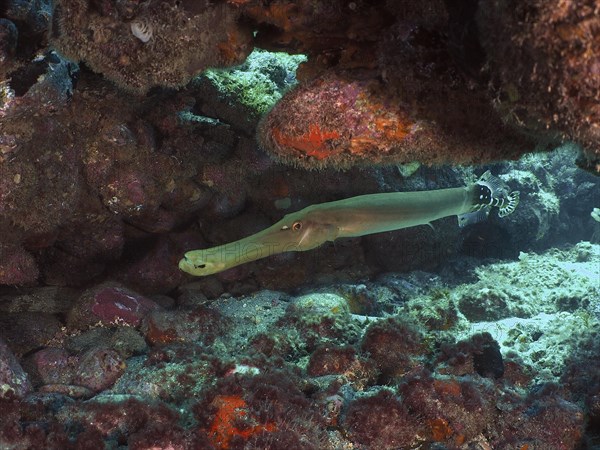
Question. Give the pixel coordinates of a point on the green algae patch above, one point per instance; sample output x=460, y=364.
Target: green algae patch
x=259, y=82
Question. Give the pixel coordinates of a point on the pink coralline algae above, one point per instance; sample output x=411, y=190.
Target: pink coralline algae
x=50, y=366
x=108, y=305
x=99, y=369
x=114, y=304
x=17, y=266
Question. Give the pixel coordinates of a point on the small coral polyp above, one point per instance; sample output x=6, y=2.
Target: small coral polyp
x=154, y=43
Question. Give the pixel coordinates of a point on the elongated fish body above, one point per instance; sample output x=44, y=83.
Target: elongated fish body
x=352, y=217
x=377, y=213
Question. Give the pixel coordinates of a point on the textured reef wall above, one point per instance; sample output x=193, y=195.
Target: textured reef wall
x=72, y=175
x=436, y=81
x=545, y=67
x=152, y=43
x=398, y=362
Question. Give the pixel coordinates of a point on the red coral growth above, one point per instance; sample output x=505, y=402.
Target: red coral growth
x=418, y=85
x=393, y=345
x=440, y=430
x=315, y=143
x=382, y=422
x=273, y=408
x=233, y=418
x=454, y=411
x=277, y=13
x=330, y=360
x=338, y=122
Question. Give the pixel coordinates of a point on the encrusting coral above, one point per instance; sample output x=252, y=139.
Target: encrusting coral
x=336, y=121
x=545, y=66
x=151, y=43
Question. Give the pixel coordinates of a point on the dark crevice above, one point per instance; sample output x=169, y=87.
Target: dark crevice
x=463, y=36
x=23, y=78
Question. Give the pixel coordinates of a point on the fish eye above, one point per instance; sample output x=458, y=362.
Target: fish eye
x=297, y=226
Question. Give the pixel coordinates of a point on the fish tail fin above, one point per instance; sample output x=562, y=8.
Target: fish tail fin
x=509, y=204
x=491, y=191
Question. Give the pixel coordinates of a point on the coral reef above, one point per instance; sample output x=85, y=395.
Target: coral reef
x=67, y=205
x=432, y=337
x=432, y=83
x=245, y=93
x=339, y=121
x=393, y=346
x=127, y=178
x=23, y=35
x=435, y=83
x=382, y=421
x=82, y=187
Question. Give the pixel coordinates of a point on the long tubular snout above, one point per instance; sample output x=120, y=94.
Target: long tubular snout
x=268, y=242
